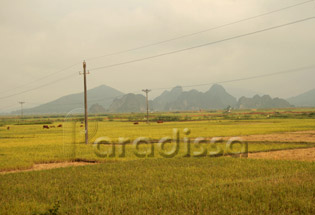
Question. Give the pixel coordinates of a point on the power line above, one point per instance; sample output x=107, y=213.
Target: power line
x=85, y=104
x=165, y=41
x=247, y=78
x=202, y=45
x=16, y=105
x=8, y=107
x=169, y=53
x=147, y=102
x=202, y=31
x=38, y=87
x=21, y=103
x=298, y=69
x=39, y=79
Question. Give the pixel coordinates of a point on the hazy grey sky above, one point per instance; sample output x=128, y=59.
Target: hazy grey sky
x=40, y=37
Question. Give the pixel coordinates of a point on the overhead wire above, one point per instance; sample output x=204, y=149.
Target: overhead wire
x=203, y=45
x=293, y=70
x=169, y=53
x=40, y=79
x=202, y=31
x=165, y=41
x=38, y=87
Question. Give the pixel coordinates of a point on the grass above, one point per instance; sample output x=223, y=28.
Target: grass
x=156, y=185
x=165, y=186
x=24, y=145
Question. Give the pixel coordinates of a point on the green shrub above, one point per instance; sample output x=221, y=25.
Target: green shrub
x=166, y=118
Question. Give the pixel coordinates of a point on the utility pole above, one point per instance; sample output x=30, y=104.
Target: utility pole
x=85, y=105
x=147, y=100
x=21, y=103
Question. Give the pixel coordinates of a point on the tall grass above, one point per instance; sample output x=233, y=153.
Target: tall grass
x=165, y=186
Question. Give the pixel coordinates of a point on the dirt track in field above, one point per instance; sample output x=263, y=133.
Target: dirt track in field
x=298, y=136
x=307, y=154
x=37, y=167
x=292, y=154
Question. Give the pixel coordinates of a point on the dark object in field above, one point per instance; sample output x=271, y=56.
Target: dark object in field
x=45, y=126
x=81, y=126
x=136, y=123
x=59, y=126
x=8, y=128
x=159, y=121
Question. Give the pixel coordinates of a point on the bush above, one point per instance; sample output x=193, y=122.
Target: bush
x=187, y=118
x=136, y=117
x=166, y=118
x=110, y=118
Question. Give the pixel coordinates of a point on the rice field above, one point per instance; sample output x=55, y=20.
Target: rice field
x=151, y=183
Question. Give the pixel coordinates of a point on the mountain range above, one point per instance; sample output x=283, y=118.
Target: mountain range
x=262, y=102
x=129, y=103
x=306, y=99
x=177, y=99
x=102, y=95
x=106, y=99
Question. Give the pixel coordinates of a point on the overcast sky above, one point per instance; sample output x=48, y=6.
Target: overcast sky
x=41, y=37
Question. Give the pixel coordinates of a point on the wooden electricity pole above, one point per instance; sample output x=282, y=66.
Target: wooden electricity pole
x=85, y=105
x=147, y=101
x=21, y=103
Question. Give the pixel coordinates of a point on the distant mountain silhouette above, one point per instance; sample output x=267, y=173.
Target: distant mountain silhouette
x=128, y=103
x=103, y=95
x=167, y=97
x=191, y=100
x=106, y=99
x=258, y=102
x=215, y=98
x=306, y=99
x=96, y=108
x=239, y=92
x=179, y=100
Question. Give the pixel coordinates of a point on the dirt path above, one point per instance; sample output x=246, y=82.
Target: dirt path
x=37, y=167
x=292, y=154
x=298, y=136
